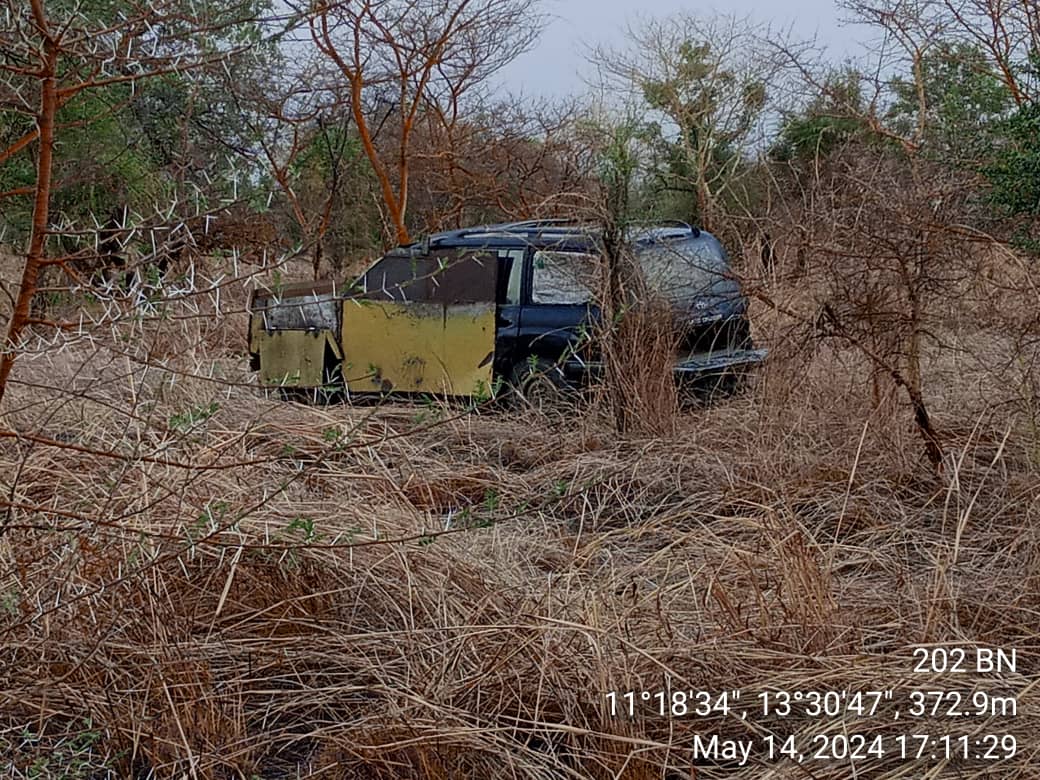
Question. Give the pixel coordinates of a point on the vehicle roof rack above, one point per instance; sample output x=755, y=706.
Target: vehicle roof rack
x=652, y=231
x=557, y=226
x=674, y=223
x=541, y=223
x=560, y=228
x=667, y=223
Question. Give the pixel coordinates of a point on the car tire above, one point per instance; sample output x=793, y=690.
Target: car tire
x=537, y=385
x=709, y=390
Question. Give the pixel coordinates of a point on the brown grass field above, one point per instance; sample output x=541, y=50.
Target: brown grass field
x=197, y=580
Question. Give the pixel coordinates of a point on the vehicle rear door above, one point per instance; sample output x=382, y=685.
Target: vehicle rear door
x=558, y=308
x=423, y=323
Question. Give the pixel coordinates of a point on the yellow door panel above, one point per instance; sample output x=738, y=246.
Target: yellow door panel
x=410, y=346
x=294, y=358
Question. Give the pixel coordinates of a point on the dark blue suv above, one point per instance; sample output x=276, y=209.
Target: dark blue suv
x=512, y=305
x=548, y=270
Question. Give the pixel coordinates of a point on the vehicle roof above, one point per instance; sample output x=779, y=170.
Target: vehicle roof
x=549, y=232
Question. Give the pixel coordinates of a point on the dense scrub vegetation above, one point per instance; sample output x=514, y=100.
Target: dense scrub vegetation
x=198, y=580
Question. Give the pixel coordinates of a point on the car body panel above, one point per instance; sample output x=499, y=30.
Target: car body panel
x=414, y=347
x=297, y=358
x=294, y=334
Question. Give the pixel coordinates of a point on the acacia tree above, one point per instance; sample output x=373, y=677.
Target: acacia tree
x=1006, y=31
x=508, y=159
x=52, y=54
x=884, y=171
x=704, y=82
x=406, y=57
x=300, y=134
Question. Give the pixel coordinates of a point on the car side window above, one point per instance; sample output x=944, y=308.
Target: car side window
x=563, y=277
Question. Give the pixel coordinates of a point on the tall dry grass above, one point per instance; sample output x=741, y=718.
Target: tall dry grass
x=197, y=580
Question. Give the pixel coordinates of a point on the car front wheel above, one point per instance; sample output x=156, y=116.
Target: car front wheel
x=537, y=384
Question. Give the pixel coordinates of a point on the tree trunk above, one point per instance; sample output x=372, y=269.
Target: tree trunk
x=34, y=259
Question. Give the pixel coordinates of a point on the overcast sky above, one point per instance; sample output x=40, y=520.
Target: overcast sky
x=555, y=65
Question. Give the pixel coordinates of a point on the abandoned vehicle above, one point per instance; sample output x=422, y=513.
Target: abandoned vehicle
x=469, y=312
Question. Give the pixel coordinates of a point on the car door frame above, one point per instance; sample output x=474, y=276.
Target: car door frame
x=555, y=332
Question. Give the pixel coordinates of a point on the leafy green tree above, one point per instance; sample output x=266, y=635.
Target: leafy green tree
x=958, y=100
x=132, y=141
x=333, y=182
x=833, y=117
x=704, y=83
x=700, y=152
x=1014, y=174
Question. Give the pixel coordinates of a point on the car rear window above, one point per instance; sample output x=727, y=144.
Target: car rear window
x=684, y=270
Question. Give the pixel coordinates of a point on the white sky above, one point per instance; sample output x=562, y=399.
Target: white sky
x=555, y=65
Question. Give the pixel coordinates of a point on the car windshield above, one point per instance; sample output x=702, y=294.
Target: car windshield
x=688, y=269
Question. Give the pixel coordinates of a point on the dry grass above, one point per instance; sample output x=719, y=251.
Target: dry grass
x=199, y=581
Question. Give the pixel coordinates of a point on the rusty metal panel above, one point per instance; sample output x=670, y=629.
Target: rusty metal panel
x=422, y=323
x=449, y=276
x=297, y=307
x=418, y=347
x=294, y=358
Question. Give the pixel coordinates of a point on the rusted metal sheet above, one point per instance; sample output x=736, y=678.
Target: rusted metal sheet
x=418, y=346
x=446, y=276
x=295, y=332
x=296, y=358
x=298, y=307
x=413, y=323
